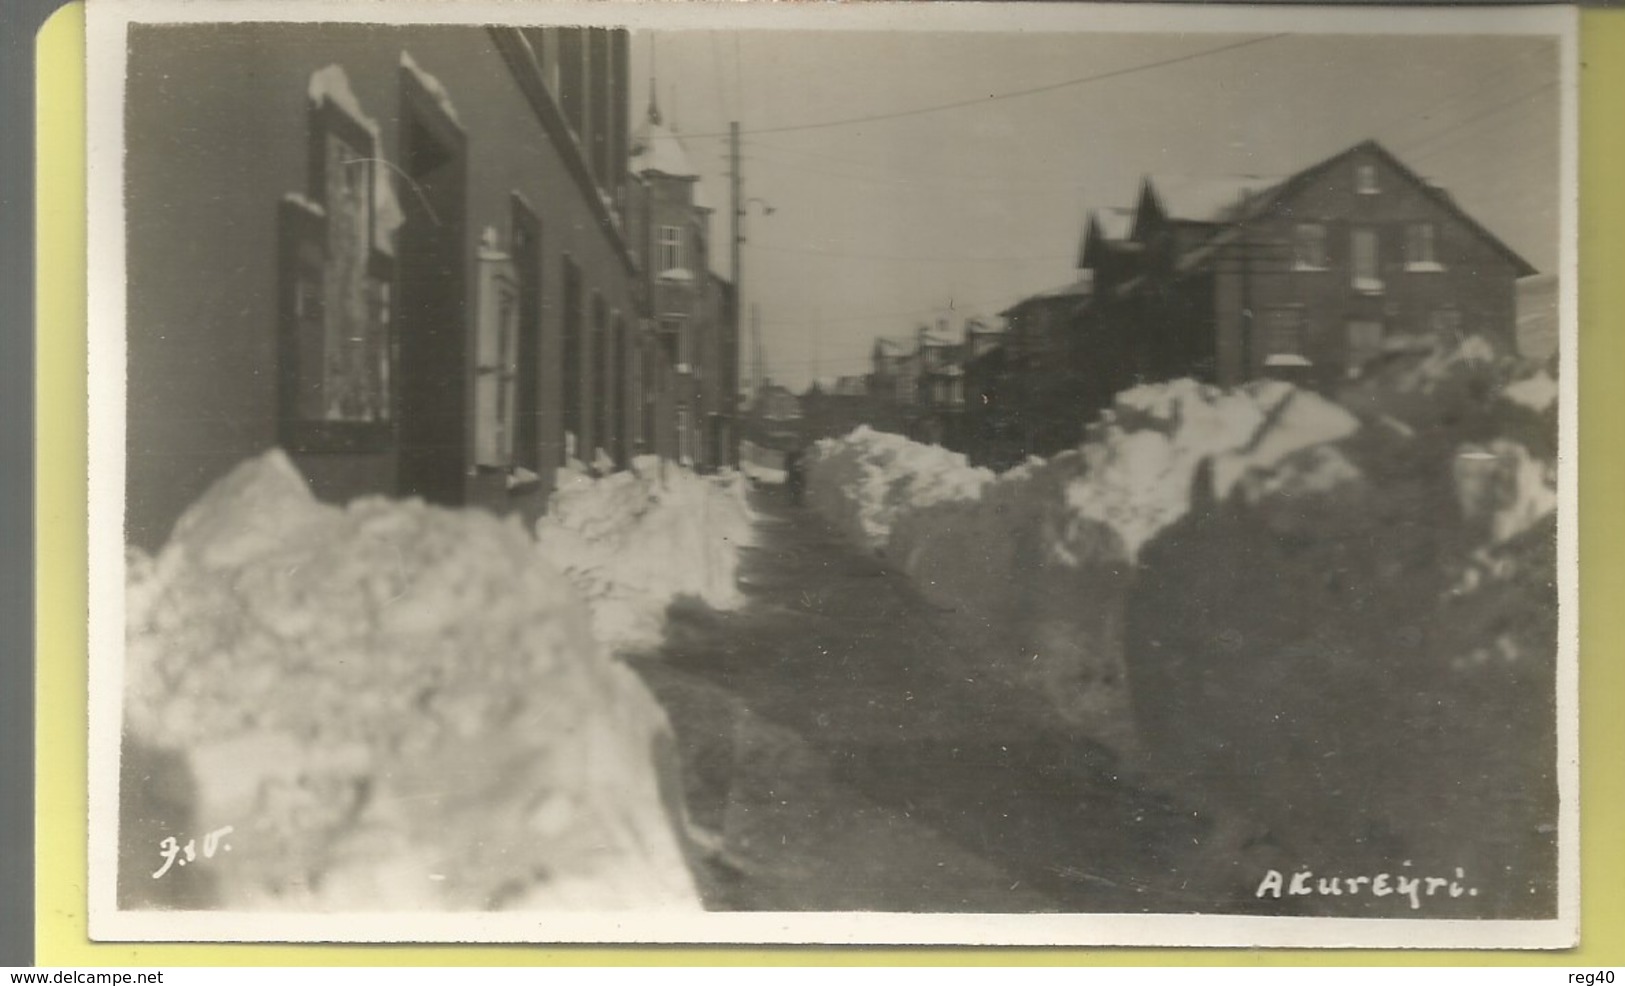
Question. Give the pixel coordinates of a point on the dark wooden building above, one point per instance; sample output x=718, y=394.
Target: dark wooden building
x=1307, y=277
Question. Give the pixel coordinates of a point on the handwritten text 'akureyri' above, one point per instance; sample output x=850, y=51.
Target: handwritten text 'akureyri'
x=1304, y=883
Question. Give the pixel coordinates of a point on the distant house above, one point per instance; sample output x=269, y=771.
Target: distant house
x=690, y=358
x=894, y=373
x=940, y=406
x=1309, y=277
x=1315, y=275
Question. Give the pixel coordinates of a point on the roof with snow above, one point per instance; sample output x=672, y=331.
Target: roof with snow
x=1116, y=223
x=656, y=149
x=1271, y=195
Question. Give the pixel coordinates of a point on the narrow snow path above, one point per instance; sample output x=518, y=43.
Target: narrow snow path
x=835, y=740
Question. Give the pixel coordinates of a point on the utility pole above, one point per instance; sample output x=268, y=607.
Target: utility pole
x=757, y=362
x=736, y=238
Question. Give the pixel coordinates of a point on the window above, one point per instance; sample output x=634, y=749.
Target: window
x=671, y=335
x=1365, y=179
x=1284, y=332
x=1363, y=250
x=527, y=260
x=497, y=360
x=335, y=276
x=1309, y=247
x=671, y=248
x=685, y=440
x=1364, y=345
x=1421, y=247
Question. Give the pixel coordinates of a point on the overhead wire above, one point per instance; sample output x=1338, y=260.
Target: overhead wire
x=1407, y=147
x=998, y=97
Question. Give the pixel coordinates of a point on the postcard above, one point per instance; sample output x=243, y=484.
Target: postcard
x=845, y=474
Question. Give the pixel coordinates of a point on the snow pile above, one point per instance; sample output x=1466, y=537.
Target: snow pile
x=1041, y=555
x=391, y=705
x=1356, y=653
x=636, y=540
x=1502, y=489
x=864, y=480
x=1142, y=459
x=1538, y=392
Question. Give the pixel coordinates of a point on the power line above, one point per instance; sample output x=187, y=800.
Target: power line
x=914, y=180
x=1013, y=94
x=1475, y=118
x=913, y=170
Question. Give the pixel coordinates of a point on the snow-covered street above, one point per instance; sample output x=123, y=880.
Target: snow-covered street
x=839, y=740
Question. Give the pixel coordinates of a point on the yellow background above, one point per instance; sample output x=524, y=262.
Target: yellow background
x=62, y=605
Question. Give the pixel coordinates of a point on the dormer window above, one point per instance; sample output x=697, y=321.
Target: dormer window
x=1365, y=179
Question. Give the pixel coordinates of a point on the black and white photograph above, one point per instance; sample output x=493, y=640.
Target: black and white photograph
x=980, y=474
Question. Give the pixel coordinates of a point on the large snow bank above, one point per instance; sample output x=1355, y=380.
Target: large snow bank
x=1042, y=554
x=1354, y=659
x=393, y=706
x=1327, y=623
x=864, y=480
x=636, y=540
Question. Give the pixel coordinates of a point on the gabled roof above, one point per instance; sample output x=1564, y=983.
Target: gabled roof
x=1263, y=203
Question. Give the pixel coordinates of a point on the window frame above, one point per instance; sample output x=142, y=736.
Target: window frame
x=305, y=232
x=1422, y=247
x=1319, y=242
x=1297, y=330
x=1365, y=179
x=669, y=243
x=1373, y=284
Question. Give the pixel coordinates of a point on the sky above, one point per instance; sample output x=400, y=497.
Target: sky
x=880, y=225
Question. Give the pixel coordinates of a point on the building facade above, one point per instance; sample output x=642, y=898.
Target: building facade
x=690, y=355
x=409, y=256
